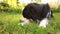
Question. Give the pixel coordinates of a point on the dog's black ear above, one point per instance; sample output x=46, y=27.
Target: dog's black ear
x=47, y=6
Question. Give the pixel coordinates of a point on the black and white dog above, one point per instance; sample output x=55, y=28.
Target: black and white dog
x=38, y=12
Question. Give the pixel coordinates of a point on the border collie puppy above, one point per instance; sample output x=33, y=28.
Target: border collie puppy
x=37, y=12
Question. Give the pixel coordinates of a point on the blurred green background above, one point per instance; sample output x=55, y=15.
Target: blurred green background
x=11, y=13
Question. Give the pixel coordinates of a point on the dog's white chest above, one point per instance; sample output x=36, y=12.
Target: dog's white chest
x=43, y=22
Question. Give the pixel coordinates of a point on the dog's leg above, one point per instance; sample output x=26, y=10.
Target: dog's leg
x=43, y=22
x=24, y=21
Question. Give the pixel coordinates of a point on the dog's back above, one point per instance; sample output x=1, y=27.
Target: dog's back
x=36, y=11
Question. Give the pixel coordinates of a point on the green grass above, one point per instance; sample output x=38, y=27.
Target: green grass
x=9, y=25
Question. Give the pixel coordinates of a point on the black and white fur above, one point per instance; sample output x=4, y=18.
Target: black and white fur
x=38, y=12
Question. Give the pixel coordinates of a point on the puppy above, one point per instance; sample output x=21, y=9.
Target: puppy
x=37, y=12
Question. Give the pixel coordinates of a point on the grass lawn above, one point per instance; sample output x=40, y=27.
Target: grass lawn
x=9, y=25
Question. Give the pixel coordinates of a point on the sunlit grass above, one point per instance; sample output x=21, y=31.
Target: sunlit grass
x=9, y=25
x=7, y=17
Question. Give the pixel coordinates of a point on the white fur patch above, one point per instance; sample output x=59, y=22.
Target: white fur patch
x=43, y=22
x=25, y=21
x=49, y=14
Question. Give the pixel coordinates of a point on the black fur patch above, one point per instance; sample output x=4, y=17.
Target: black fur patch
x=36, y=11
